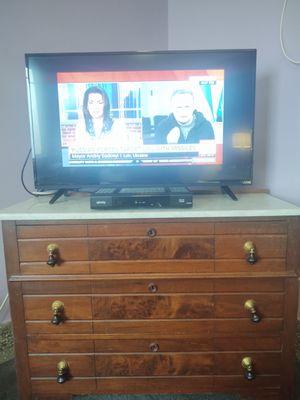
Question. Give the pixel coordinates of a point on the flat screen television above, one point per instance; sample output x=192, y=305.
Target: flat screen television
x=141, y=118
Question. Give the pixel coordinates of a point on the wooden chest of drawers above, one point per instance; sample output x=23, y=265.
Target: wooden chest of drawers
x=154, y=306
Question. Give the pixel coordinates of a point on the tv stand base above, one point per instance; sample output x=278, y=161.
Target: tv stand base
x=226, y=190
x=58, y=194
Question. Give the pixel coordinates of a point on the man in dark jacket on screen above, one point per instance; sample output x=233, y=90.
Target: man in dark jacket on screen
x=185, y=124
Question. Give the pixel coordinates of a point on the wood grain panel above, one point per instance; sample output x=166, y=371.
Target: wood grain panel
x=158, y=306
x=46, y=365
x=139, y=385
x=144, y=266
x=263, y=363
x=188, y=328
x=254, y=343
x=264, y=265
x=156, y=328
x=249, y=284
x=75, y=307
x=235, y=383
x=154, y=364
x=39, y=327
x=163, y=285
x=232, y=305
x=141, y=229
x=11, y=251
x=58, y=345
x=42, y=268
x=267, y=246
x=69, y=249
x=143, y=345
x=51, y=231
x=57, y=287
x=251, y=227
x=244, y=327
x=189, y=344
x=191, y=247
x=51, y=387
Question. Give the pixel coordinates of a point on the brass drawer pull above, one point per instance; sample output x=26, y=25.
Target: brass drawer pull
x=152, y=288
x=58, y=312
x=249, y=249
x=63, y=371
x=247, y=364
x=154, y=347
x=250, y=305
x=151, y=232
x=52, y=250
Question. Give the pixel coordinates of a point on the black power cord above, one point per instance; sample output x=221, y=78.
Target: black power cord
x=35, y=194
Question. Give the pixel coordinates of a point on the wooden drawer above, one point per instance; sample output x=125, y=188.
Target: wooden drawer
x=46, y=365
x=251, y=227
x=185, y=364
x=40, y=307
x=188, y=328
x=69, y=249
x=64, y=268
x=50, y=387
x=185, y=306
x=58, y=344
x=186, y=247
x=268, y=305
x=51, y=231
x=39, y=327
x=153, y=307
x=154, y=364
x=157, y=344
x=266, y=246
x=154, y=284
x=152, y=266
x=150, y=228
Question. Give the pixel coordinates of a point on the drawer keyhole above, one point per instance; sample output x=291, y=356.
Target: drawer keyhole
x=152, y=288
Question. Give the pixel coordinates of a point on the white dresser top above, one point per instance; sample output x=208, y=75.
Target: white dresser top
x=77, y=207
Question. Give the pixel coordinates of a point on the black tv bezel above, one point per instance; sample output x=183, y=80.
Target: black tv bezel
x=81, y=177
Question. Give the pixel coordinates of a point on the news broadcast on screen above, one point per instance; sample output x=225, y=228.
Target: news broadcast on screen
x=128, y=118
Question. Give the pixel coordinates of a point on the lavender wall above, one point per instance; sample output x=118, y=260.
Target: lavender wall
x=100, y=25
x=201, y=24
x=59, y=26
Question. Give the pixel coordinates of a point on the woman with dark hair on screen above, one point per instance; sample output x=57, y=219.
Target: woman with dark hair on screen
x=97, y=126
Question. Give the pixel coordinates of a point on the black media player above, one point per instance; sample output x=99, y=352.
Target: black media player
x=141, y=197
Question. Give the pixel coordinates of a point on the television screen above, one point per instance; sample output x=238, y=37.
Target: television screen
x=141, y=118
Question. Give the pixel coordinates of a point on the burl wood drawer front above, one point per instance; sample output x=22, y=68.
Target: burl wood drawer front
x=186, y=306
x=184, y=364
x=46, y=365
x=150, y=229
x=159, y=345
x=189, y=247
x=154, y=364
x=40, y=307
x=266, y=246
x=69, y=249
x=159, y=306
